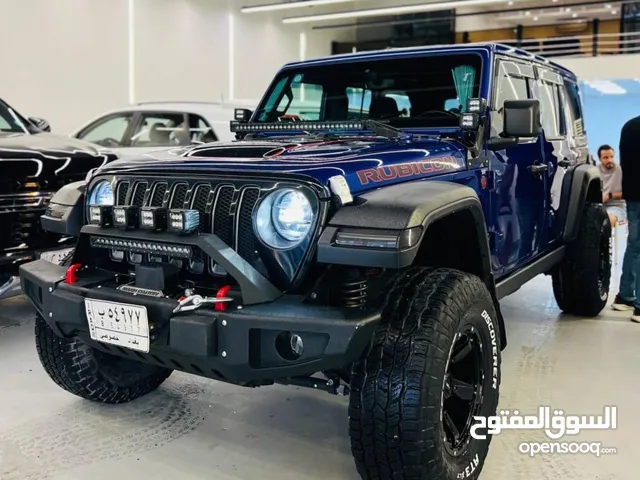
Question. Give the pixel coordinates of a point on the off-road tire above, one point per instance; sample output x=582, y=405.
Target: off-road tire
x=92, y=374
x=581, y=281
x=397, y=389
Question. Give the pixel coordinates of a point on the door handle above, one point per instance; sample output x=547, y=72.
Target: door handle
x=564, y=163
x=535, y=169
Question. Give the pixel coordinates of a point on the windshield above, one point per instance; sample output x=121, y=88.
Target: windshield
x=408, y=92
x=11, y=121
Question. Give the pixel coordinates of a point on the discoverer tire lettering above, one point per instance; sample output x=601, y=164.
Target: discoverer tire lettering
x=397, y=390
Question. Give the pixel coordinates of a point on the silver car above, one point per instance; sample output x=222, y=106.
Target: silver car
x=152, y=126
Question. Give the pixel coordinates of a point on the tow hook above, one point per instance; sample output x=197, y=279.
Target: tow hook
x=193, y=302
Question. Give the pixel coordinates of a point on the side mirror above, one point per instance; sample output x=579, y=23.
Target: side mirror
x=522, y=118
x=40, y=124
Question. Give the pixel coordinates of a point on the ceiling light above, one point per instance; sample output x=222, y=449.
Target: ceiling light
x=613, y=12
x=535, y=19
x=288, y=5
x=568, y=9
x=527, y=13
x=554, y=1
x=574, y=15
x=379, y=12
x=510, y=2
x=608, y=5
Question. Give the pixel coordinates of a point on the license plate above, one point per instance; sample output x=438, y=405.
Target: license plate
x=55, y=256
x=118, y=324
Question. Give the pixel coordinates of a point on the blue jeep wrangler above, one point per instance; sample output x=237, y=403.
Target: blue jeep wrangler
x=356, y=238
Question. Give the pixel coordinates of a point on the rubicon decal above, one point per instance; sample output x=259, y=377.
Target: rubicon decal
x=403, y=170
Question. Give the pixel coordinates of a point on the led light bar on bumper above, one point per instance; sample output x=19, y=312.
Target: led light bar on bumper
x=142, y=246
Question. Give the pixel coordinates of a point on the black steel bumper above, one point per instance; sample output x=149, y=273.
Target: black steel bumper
x=238, y=345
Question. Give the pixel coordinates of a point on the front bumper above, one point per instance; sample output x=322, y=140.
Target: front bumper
x=237, y=346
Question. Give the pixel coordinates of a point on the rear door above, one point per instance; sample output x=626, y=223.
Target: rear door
x=518, y=199
x=564, y=142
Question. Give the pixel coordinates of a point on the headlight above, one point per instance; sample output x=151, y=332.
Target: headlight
x=101, y=194
x=284, y=218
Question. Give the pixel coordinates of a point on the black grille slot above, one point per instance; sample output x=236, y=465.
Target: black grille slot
x=138, y=194
x=199, y=202
x=122, y=190
x=245, y=240
x=179, y=195
x=157, y=199
x=222, y=219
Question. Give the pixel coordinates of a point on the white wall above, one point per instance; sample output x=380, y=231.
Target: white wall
x=76, y=60
x=606, y=67
x=64, y=60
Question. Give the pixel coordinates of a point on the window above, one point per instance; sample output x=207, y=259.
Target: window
x=10, y=120
x=409, y=92
x=508, y=87
x=574, y=109
x=550, y=109
x=160, y=129
x=200, y=130
x=108, y=132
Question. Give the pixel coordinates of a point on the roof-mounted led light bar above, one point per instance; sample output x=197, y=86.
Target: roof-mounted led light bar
x=239, y=127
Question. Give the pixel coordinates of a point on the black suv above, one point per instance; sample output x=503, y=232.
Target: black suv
x=35, y=164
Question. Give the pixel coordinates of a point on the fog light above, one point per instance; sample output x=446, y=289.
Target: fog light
x=153, y=218
x=184, y=221
x=125, y=217
x=100, y=215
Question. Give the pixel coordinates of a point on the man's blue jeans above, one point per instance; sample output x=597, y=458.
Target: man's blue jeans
x=630, y=279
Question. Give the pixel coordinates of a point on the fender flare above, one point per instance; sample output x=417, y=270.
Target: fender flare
x=397, y=209
x=65, y=213
x=581, y=184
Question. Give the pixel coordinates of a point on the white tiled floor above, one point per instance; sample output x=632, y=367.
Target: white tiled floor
x=198, y=429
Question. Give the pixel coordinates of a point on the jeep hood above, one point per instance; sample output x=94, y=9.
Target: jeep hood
x=365, y=162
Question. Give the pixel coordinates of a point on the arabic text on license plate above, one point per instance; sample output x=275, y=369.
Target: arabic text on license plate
x=118, y=324
x=55, y=256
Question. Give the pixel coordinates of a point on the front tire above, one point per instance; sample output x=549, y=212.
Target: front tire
x=92, y=374
x=431, y=367
x=581, y=282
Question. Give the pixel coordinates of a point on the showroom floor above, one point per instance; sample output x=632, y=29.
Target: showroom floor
x=198, y=429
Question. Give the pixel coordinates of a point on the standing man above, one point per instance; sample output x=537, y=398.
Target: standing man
x=611, y=174
x=627, y=298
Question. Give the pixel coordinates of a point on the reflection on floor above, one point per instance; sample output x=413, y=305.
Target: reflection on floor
x=197, y=429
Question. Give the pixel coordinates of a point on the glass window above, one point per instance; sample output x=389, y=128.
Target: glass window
x=160, y=129
x=11, y=121
x=408, y=92
x=108, y=132
x=508, y=87
x=574, y=109
x=550, y=109
x=200, y=130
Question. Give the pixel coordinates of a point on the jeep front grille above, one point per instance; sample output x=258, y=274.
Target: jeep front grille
x=226, y=209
